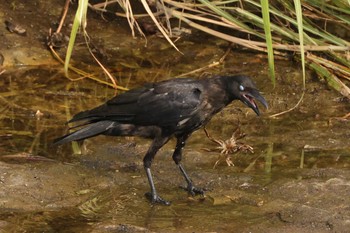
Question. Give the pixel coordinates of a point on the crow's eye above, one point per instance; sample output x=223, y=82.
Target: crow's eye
x=241, y=87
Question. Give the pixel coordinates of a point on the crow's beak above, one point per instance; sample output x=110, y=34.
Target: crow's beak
x=248, y=96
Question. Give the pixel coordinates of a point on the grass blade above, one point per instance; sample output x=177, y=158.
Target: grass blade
x=161, y=29
x=267, y=29
x=299, y=16
x=79, y=19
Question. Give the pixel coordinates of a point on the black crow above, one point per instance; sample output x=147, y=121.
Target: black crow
x=171, y=108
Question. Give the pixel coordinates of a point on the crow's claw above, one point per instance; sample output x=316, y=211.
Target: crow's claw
x=155, y=199
x=194, y=190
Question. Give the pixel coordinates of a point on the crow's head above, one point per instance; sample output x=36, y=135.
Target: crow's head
x=243, y=88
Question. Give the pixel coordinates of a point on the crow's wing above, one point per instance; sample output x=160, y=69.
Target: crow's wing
x=164, y=104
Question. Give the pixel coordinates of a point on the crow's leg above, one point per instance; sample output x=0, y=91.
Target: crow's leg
x=157, y=143
x=177, y=156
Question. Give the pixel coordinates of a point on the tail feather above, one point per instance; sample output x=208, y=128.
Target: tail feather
x=89, y=131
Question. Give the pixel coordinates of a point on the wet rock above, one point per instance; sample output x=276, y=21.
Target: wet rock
x=40, y=186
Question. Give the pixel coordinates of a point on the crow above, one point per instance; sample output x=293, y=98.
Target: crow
x=162, y=110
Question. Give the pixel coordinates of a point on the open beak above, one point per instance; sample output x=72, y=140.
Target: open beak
x=248, y=96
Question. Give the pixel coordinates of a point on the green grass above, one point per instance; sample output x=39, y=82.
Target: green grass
x=278, y=28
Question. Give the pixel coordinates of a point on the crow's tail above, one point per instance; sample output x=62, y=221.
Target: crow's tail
x=89, y=131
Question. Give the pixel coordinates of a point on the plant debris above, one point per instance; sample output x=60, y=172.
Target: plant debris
x=230, y=146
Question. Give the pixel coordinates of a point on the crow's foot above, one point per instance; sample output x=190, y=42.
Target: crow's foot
x=155, y=199
x=193, y=191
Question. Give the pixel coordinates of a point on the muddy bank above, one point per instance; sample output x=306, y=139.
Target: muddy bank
x=108, y=197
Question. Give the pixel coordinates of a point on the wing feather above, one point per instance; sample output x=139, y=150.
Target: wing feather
x=164, y=104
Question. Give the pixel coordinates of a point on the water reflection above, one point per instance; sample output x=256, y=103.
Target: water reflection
x=106, y=183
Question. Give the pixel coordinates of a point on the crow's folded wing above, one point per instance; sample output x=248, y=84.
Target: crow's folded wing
x=163, y=104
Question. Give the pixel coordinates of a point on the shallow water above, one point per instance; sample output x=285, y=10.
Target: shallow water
x=295, y=181
x=104, y=188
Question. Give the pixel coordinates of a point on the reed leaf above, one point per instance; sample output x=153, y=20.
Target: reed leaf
x=267, y=29
x=79, y=20
x=331, y=79
x=225, y=14
x=299, y=16
x=161, y=29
